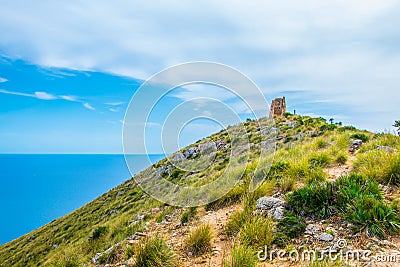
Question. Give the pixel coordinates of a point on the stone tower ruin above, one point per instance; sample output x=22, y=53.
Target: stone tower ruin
x=278, y=107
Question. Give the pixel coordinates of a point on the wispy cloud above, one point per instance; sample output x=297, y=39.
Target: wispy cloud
x=113, y=109
x=88, y=106
x=3, y=80
x=114, y=103
x=69, y=98
x=48, y=96
x=45, y=96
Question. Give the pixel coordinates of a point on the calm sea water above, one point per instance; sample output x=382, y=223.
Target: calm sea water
x=36, y=189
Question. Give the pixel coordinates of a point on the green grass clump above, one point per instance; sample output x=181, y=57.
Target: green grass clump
x=153, y=252
x=67, y=259
x=321, y=159
x=316, y=175
x=374, y=216
x=293, y=226
x=257, y=232
x=241, y=256
x=199, y=240
x=341, y=158
x=232, y=197
x=98, y=232
x=359, y=199
x=353, y=186
x=321, y=143
x=313, y=199
x=236, y=221
x=380, y=165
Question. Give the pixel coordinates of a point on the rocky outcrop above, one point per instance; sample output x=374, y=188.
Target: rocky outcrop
x=355, y=145
x=271, y=206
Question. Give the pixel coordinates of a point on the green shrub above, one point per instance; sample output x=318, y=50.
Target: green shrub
x=361, y=136
x=374, y=216
x=241, y=256
x=257, y=232
x=352, y=186
x=199, y=240
x=153, y=252
x=314, y=199
x=292, y=225
x=98, y=232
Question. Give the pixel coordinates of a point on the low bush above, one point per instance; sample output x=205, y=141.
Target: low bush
x=352, y=186
x=360, y=136
x=98, y=232
x=293, y=226
x=374, y=216
x=314, y=199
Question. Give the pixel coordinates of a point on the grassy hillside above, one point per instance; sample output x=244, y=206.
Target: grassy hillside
x=313, y=169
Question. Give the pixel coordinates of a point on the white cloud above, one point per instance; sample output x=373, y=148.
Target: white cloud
x=48, y=96
x=114, y=103
x=69, y=98
x=344, y=51
x=113, y=109
x=3, y=80
x=45, y=96
x=15, y=93
x=88, y=106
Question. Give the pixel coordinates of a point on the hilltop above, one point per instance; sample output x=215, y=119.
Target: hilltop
x=326, y=183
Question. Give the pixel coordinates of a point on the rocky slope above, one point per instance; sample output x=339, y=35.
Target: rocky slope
x=311, y=156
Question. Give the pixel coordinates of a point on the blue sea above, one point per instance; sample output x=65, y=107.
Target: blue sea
x=38, y=188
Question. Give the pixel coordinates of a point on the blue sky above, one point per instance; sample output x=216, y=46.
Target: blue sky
x=69, y=68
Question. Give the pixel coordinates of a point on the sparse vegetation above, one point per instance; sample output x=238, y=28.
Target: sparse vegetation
x=257, y=232
x=199, y=240
x=153, y=252
x=299, y=169
x=241, y=256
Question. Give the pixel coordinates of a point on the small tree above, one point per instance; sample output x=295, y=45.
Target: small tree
x=397, y=125
x=331, y=120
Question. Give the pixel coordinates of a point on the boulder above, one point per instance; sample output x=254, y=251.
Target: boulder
x=191, y=152
x=325, y=237
x=387, y=148
x=271, y=206
x=355, y=145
